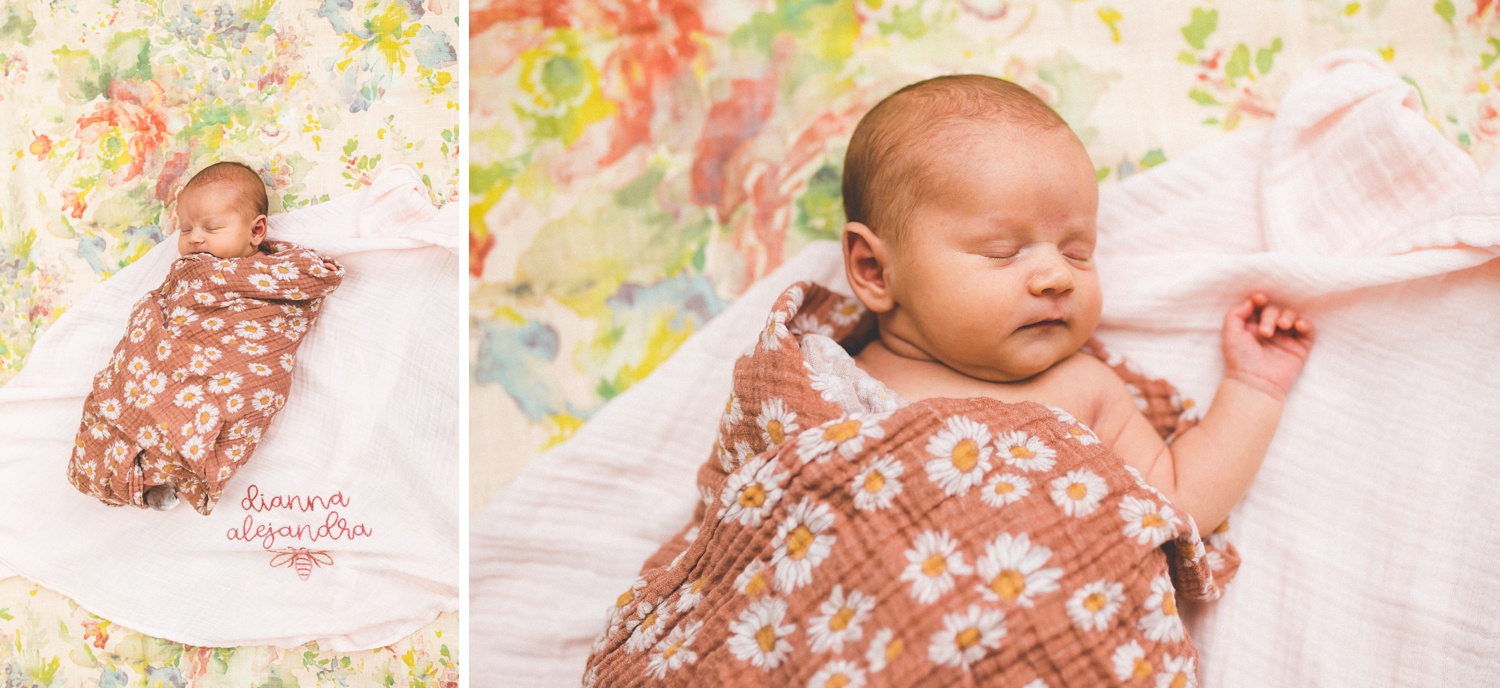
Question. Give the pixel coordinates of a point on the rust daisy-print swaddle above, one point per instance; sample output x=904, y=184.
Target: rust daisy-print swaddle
x=204, y=366
x=944, y=542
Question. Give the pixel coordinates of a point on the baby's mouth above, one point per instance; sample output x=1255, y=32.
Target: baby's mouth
x=1041, y=324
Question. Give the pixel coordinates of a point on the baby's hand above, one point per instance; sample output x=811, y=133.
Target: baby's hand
x=1265, y=345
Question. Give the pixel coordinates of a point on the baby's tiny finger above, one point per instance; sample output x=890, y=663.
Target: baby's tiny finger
x=1268, y=317
x=1287, y=319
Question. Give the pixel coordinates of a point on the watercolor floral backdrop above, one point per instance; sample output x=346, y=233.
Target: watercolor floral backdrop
x=107, y=105
x=636, y=163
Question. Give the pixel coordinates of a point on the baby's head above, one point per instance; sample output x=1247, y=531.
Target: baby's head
x=222, y=211
x=971, y=209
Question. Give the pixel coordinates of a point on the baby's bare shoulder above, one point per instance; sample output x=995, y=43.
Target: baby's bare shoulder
x=1082, y=385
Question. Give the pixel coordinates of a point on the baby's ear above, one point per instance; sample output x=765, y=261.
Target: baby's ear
x=258, y=229
x=866, y=259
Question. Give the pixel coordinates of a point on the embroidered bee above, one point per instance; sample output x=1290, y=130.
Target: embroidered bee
x=302, y=559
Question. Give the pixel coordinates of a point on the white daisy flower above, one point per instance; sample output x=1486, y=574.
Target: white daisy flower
x=224, y=383
x=284, y=271
x=877, y=484
x=147, y=436
x=752, y=491
x=1137, y=397
x=117, y=452
x=188, y=396
x=1026, y=452
x=731, y=461
x=966, y=636
x=137, y=367
x=1037, y=683
x=1094, y=605
x=807, y=323
x=236, y=453
x=205, y=418
x=672, y=652
x=144, y=400
x=263, y=282
x=775, y=329
x=932, y=562
x=163, y=349
x=689, y=594
x=1075, y=429
x=759, y=634
x=110, y=408
x=840, y=673
x=1146, y=522
x=648, y=628
x=253, y=349
x=1130, y=662
x=250, y=329
x=1177, y=672
x=154, y=383
x=298, y=324
x=225, y=265
x=1078, y=492
x=260, y=369
x=181, y=316
x=732, y=412
x=752, y=581
x=104, y=380
x=1011, y=569
x=194, y=448
x=212, y=324
x=291, y=309
x=776, y=421
x=1006, y=488
x=961, y=454
x=198, y=366
x=839, y=620
x=885, y=647
x=286, y=361
x=204, y=298
x=132, y=391
x=234, y=403
x=1161, y=622
x=137, y=335
x=265, y=399
x=180, y=375
x=295, y=294
x=845, y=435
x=317, y=270
x=802, y=542
x=846, y=312
x=277, y=325
x=96, y=429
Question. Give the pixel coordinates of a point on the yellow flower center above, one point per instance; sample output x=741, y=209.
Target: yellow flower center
x=1168, y=604
x=840, y=620
x=1003, y=487
x=842, y=432
x=1018, y=451
x=1009, y=585
x=766, y=638
x=1094, y=602
x=1142, y=668
x=1075, y=431
x=798, y=541
x=625, y=598
x=966, y=455
x=697, y=586
x=1179, y=681
x=776, y=431
x=935, y=565
x=837, y=681
x=649, y=621
x=1076, y=491
x=756, y=585
x=967, y=638
x=894, y=649
x=1152, y=521
x=752, y=496
x=874, y=481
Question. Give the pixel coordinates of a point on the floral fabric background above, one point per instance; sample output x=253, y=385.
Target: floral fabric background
x=637, y=163
x=108, y=106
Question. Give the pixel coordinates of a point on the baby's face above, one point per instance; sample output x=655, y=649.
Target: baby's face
x=211, y=219
x=995, y=274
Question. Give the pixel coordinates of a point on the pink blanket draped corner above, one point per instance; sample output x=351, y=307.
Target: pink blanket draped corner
x=205, y=365
x=943, y=542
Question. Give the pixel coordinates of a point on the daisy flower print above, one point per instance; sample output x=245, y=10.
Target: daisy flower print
x=752, y=581
x=1093, y=606
x=877, y=484
x=1177, y=672
x=1026, y=452
x=846, y=436
x=770, y=337
x=840, y=673
x=932, y=563
x=1076, y=430
x=802, y=542
x=1078, y=492
x=752, y=491
x=885, y=648
x=1161, y=622
x=776, y=421
x=961, y=455
x=1130, y=662
x=1014, y=570
x=1006, y=488
x=1146, y=522
x=674, y=651
x=649, y=627
x=966, y=636
x=839, y=620
x=759, y=635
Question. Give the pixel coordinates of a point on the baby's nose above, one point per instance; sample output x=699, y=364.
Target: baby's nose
x=1052, y=275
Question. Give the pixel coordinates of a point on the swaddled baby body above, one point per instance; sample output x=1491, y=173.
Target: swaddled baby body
x=207, y=359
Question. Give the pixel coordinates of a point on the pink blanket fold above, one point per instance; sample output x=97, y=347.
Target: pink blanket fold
x=205, y=365
x=944, y=542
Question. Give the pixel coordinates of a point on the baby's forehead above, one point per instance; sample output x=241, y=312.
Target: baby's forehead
x=218, y=195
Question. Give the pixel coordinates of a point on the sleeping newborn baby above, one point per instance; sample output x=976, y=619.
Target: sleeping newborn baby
x=208, y=356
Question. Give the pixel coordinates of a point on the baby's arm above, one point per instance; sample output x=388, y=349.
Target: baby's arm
x=1208, y=468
